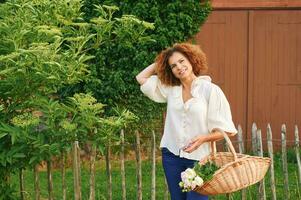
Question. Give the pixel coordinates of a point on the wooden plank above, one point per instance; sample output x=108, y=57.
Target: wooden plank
x=261, y=192
x=79, y=170
x=49, y=178
x=36, y=182
x=153, y=187
x=109, y=169
x=166, y=192
x=248, y=4
x=92, y=173
x=228, y=68
x=250, y=76
x=254, y=139
x=275, y=44
x=242, y=151
x=284, y=161
x=271, y=155
x=63, y=173
x=297, y=149
x=241, y=146
x=138, y=169
x=122, y=167
x=21, y=179
x=76, y=183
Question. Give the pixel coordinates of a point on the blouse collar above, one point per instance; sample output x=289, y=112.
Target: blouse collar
x=196, y=84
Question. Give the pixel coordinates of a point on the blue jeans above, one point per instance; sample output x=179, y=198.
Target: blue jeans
x=173, y=166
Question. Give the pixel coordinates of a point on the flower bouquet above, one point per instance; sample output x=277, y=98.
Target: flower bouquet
x=196, y=176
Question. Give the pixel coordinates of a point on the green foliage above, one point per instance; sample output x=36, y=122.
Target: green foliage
x=120, y=60
x=44, y=49
x=205, y=171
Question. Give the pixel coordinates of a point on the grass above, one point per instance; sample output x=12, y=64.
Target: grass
x=101, y=185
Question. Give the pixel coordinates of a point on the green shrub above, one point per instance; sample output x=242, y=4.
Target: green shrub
x=44, y=49
x=119, y=61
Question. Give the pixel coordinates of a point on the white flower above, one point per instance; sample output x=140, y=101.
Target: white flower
x=190, y=173
x=183, y=175
x=198, y=181
x=190, y=180
x=193, y=185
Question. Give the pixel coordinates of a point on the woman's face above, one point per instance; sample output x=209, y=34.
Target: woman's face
x=180, y=66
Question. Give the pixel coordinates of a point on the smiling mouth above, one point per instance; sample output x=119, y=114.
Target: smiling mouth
x=182, y=71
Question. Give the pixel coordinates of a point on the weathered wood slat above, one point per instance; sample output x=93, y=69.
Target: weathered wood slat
x=153, y=188
x=79, y=170
x=22, y=188
x=109, y=170
x=254, y=139
x=139, y=171
x=36, y=182
x=122, y=167
x=50, y=181
x=63, y=173
x=76, y=173
x=241, y=148
x=297, y=149
x=166, y=192
x=271, y=155
x=262, y=194
x=284, y=161
x=92, y=173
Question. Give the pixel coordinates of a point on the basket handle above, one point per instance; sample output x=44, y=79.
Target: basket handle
x=232, y=149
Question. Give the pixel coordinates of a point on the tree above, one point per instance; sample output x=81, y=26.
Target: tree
x=44, y=49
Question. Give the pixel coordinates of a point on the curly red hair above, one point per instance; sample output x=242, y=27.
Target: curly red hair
x=193, y=53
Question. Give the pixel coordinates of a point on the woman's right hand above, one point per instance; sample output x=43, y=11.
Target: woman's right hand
x=146, y=73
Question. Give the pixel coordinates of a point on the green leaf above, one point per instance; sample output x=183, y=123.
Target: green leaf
x=2, y=135
x=19, y=155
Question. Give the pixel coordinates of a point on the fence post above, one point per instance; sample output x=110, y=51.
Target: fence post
x=50, y=182
x=109, y=169
x=63, y=172
x=122, y=165
x=92, y=172
x=153, y=189
x=76, y=172
x=36, y=182
x=241, y=150
x=22, y=189
x=284, y=161
x=254, y=138
x=271, y=155
x=139, y=173
x=166, y=192
x=262, y=195
x=297, y=149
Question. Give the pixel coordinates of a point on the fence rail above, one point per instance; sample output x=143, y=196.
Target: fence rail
x=257, y=149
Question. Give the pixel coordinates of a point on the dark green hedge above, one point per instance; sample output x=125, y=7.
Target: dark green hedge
x=117, y=63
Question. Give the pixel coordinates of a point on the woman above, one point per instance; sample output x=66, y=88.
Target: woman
x=196, y=110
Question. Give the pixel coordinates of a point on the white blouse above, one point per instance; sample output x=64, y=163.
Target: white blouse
x=207, y=109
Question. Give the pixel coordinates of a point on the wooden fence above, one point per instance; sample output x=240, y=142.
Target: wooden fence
x=257, y=149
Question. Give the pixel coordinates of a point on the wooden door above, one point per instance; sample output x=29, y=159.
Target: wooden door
x=274, y=93
x=255, y=56
x=224, y=39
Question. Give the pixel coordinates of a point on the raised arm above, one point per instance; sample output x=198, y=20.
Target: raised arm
x=146, y=73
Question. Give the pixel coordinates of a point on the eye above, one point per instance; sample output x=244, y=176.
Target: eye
x=182, y=60
x=172, y=66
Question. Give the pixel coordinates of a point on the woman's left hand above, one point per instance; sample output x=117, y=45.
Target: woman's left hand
x=195, y=143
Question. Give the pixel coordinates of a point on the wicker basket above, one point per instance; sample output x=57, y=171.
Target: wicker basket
x=236, y=171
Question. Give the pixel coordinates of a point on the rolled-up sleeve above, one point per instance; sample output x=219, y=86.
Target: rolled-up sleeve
x=219, y=112
x=154, y=90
